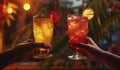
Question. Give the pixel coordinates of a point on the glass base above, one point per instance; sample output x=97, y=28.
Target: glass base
x=76, y=57
x=44, y=56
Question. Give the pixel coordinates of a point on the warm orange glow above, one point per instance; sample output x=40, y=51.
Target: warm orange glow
x=26, y=6
x=10, y=10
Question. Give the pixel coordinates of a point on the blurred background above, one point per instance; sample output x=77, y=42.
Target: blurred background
x=16, y=18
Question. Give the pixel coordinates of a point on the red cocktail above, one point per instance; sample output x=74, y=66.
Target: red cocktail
x=77, y=30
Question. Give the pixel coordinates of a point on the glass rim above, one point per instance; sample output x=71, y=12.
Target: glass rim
x=37, y=16
x=76, y=14
x=80, y=15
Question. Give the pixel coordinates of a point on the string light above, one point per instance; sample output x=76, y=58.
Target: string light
x=26, y=6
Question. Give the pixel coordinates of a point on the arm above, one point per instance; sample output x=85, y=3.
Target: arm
x=112, y=61
x=95, y=53
x=13, y=54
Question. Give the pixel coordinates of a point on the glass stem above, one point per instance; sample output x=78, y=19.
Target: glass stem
x=76, y=55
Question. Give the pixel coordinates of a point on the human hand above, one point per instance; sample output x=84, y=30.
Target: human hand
x=29, y=45
x=15, y=53
x=89, y=49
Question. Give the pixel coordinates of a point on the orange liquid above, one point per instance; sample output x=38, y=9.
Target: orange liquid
x=43, y=31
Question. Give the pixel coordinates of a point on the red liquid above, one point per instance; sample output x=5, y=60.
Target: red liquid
x=77, y=29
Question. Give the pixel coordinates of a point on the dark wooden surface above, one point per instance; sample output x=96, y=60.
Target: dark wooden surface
x=35, y=66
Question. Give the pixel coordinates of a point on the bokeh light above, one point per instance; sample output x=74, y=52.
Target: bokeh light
x=26, y=6
x=10, y=10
